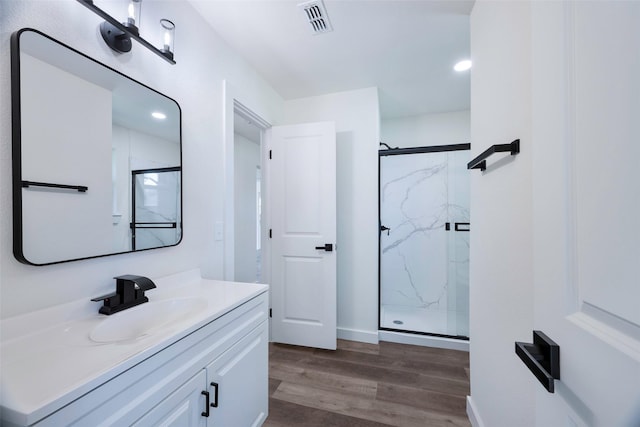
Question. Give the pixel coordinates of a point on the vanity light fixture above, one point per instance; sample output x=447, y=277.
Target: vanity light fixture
x=462, y=65
x=118, y=35
x=158, y=115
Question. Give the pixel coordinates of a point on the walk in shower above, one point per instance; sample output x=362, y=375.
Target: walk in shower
x=424, y=240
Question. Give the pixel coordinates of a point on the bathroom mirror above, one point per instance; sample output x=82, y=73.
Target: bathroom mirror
x=96, y=157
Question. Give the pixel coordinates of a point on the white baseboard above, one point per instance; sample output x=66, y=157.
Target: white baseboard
x=370, y=337
x=472, y=413
x=423, y=340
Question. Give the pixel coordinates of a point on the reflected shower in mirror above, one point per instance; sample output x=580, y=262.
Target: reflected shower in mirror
x=82, y=132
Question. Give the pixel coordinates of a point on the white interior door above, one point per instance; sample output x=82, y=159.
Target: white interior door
x=586, y=106
x=302, y=181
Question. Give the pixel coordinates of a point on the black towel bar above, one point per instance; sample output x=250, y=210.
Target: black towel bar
x=480, y=161
x=542, y=358
x=153, y=225
x=78, y=188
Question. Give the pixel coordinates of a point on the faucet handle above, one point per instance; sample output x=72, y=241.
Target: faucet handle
x=107, y=297
x=109, y=302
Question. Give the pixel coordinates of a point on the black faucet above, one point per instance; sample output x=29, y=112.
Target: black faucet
x=129, y=293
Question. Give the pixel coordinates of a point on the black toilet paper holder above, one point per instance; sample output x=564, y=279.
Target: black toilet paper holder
x=542, y=358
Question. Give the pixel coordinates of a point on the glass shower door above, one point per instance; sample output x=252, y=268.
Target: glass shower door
x=424, y=242
x=156, y=212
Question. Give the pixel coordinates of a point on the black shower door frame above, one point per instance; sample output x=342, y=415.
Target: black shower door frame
x=134, y=225
x=399, y=152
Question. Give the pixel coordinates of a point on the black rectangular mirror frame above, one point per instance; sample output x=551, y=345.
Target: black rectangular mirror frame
x=17, y=183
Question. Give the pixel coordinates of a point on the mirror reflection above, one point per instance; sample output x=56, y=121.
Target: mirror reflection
x=97, y=157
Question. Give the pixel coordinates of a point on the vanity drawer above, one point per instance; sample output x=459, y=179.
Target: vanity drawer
x=128, y=396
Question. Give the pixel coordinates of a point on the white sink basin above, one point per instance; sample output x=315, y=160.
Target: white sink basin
x=145, y=319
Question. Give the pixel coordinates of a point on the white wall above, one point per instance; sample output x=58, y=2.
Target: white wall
x=357, y=121
x=501, y=288
x=247, y=160
x=427, y=129
x=195, y=82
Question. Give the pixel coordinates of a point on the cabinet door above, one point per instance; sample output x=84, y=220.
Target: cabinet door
x=182, y=408
x=238, y=382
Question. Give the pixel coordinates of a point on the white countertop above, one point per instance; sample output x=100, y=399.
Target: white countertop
x=47, y=359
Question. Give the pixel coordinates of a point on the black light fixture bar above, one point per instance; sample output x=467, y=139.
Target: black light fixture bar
x=89, y=4
x=78, y=188
x=480, y=161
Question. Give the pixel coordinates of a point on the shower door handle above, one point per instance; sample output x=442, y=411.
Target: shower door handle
x=327, y=247
x=462, y=226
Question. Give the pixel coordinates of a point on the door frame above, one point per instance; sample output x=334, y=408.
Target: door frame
x=395, y=152
x=235, y=103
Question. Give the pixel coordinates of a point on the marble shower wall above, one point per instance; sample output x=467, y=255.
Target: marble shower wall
x=424, y=267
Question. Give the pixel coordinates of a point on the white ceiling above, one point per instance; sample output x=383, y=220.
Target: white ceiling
x=407, y=48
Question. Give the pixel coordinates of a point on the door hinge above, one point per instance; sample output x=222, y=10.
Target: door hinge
x=270, y=313
x=269, y=154
x=270, y=233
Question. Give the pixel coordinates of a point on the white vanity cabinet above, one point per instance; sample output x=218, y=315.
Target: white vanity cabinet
x=170, y=387
x=181, y=408
x=234, y=386
x=237, y=382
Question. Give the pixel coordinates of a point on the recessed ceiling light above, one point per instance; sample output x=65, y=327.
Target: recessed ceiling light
x=463, y=65
x=158, y=115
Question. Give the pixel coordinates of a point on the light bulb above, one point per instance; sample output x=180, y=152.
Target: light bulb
x=168, y=32
x=133, y=12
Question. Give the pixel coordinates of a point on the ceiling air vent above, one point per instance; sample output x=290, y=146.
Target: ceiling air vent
x=316, y=16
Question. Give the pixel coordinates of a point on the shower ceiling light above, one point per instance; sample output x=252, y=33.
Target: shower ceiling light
x=462, y=65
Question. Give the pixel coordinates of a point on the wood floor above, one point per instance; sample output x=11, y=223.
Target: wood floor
x=366, y=385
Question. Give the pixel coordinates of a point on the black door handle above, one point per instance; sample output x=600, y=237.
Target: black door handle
x=384, y=228
x=327, y=247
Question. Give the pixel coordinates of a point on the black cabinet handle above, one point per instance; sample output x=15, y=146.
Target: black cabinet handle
x=327, y=247
x=206, y=405
x=215, y=395
x=542, y=358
